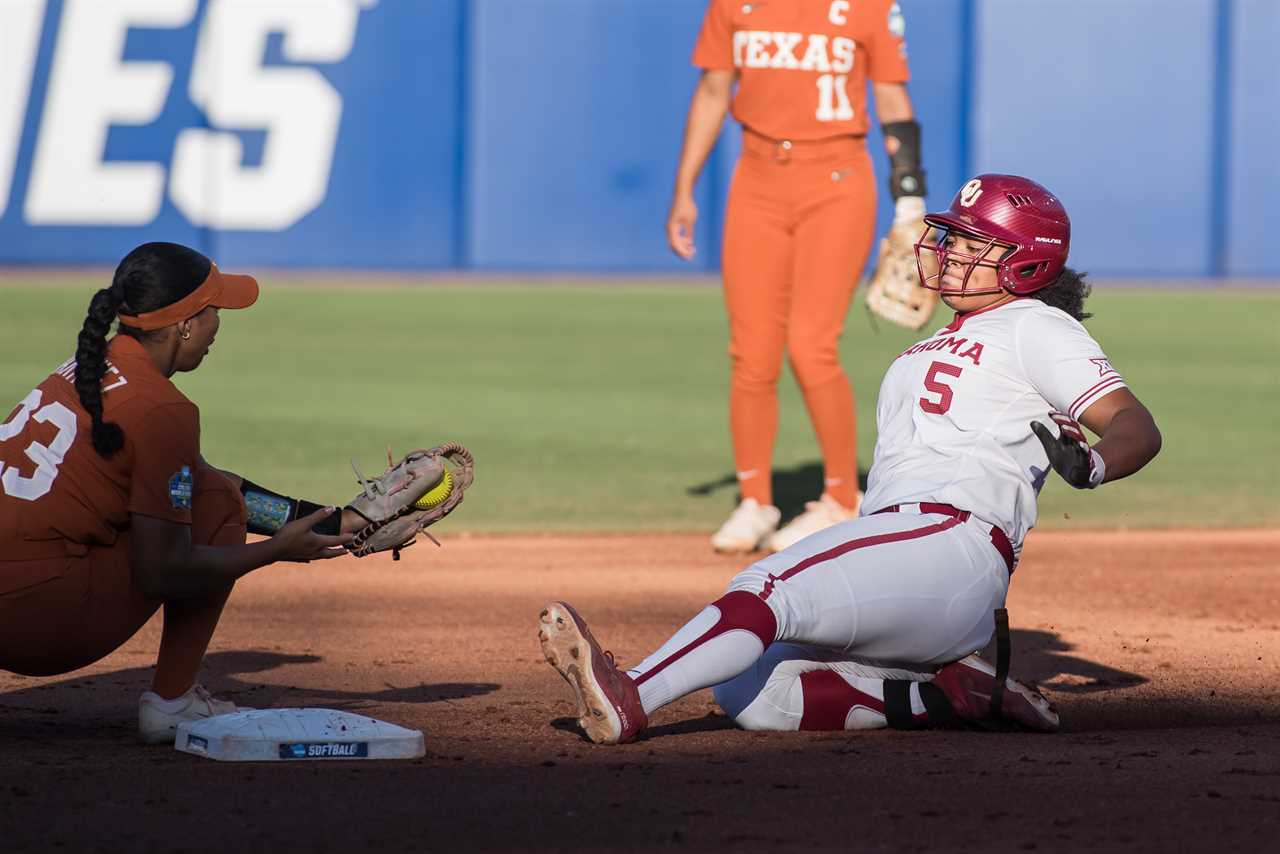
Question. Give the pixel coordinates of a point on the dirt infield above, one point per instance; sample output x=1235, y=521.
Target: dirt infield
x=1161, y=650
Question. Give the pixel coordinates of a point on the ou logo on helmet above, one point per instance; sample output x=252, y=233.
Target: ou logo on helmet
x=970, y=192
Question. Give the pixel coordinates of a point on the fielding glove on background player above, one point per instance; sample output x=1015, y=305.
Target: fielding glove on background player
x=895, y=293
x=1069, y=452
x=418, y=491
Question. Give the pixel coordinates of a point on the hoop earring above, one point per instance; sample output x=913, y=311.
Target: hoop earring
x=185, y=336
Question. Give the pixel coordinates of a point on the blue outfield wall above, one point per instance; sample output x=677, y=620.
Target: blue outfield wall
x=543, y=134
x=1252, y=156
x=1124, y=133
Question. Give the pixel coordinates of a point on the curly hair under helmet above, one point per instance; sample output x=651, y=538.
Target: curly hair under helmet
x=1068, y=293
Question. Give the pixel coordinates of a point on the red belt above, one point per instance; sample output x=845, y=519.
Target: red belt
x=998, y=538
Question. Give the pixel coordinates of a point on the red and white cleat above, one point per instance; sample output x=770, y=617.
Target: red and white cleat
x=609, y=708
x=968, y=683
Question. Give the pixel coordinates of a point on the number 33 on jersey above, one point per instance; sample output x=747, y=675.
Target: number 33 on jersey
x=803, y=64
x=55, y=486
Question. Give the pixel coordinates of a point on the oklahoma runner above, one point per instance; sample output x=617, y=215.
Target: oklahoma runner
x=874, y=622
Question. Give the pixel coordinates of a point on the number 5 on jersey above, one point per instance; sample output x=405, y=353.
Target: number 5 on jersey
x=938, y=387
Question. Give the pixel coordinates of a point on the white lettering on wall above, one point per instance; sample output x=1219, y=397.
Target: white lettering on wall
x=92, y=88
x=20, y=21
x=297, y=107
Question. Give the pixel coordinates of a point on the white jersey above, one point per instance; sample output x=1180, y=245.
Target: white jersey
x=955, y=410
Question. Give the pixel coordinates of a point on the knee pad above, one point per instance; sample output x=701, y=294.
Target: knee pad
x=771, y=701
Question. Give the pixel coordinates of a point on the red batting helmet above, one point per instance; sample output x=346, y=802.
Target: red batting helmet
x=1010, y=213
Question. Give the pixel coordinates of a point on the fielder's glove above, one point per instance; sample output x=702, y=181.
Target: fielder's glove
x=1069, y=452
x=418, y=491
x=895, y=293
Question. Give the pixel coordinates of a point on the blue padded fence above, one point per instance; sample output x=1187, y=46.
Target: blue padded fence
x=543, y=134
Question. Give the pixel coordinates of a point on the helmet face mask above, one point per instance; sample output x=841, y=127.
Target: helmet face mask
x=1006, y=223
x=947, y=252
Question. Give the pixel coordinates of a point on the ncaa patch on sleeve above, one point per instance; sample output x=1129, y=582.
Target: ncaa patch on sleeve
x=897, y=23
x=180, y=489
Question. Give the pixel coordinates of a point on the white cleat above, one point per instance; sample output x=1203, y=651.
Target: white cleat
x=160, y=727
x=817, y=516
x=747, y=527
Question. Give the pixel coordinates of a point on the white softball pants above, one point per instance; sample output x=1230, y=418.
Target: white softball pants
x=892, y=595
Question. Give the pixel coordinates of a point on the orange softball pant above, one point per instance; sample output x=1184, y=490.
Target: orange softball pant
x=58, y=614
x=798, y=228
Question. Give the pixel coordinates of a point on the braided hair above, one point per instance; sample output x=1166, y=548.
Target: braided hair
x=149, y=278
x=1068, y=293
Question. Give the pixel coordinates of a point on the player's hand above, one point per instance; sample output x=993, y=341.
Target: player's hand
x=297, y=542
x=1069, y=452
x=680, y=222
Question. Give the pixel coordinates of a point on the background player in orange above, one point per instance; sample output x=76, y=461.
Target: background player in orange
x=799, y=223
x=108, y=510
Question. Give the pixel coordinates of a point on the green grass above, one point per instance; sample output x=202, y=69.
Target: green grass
x=604, y=407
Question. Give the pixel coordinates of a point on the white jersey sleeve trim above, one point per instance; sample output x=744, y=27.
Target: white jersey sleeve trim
x=1099, y=390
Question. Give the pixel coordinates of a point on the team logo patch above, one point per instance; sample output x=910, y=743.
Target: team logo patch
x=1104, y=366
x=970, y=193
x=180, y=489
x=897, y=23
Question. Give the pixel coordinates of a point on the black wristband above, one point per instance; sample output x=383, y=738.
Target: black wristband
x=330, y=525
x=906, y=177
x=269, y=511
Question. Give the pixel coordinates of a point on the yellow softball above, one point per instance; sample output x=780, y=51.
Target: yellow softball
x=436, y=495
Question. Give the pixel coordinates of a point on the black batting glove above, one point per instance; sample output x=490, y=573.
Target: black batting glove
x=1069, y=452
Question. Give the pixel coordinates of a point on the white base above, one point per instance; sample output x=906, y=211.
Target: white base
x=274, y=735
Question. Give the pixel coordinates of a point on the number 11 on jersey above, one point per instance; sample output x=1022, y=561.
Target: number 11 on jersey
x=833, y=98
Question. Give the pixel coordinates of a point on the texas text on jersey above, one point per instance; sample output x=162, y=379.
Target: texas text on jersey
x=803, y=64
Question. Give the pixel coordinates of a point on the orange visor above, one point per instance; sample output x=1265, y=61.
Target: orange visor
x=219, y=289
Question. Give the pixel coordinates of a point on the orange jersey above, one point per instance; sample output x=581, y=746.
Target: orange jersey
x=803, y=64
x=54, y=487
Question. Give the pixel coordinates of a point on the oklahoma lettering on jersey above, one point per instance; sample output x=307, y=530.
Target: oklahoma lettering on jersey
x=955, y=410
x=803, y=64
